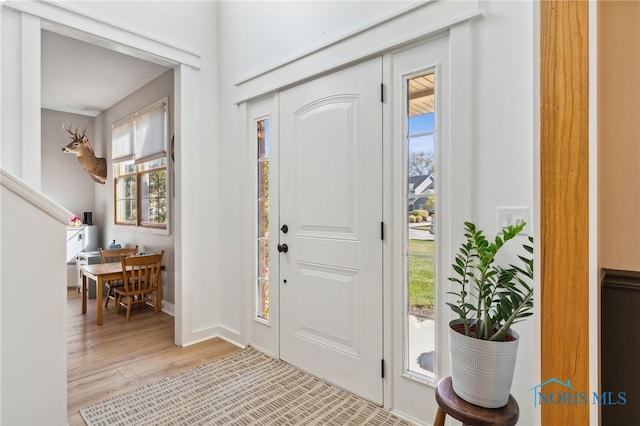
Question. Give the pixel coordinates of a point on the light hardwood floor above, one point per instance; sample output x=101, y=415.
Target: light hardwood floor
x=103, y=361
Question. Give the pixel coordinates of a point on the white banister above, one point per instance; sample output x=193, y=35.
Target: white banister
x=34, y=197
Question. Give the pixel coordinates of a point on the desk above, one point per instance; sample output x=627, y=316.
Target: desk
x=102, y=272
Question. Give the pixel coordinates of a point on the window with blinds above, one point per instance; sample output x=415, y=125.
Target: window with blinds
x=139, y=156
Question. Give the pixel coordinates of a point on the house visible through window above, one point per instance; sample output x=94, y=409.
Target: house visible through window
x=139, y=156
x=421, y=224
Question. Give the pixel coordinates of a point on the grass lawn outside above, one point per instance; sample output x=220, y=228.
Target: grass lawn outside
x=422, y=278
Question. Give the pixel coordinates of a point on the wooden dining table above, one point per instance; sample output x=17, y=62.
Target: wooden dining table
x=101, y=273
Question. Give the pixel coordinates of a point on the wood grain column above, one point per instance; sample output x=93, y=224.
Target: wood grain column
x=564, y=225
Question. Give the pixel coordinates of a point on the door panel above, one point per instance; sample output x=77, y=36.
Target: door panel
x=338, y=288
x=330, y=172
x=331, y=201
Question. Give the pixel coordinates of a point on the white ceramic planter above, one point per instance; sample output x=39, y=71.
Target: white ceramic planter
x=481, y=370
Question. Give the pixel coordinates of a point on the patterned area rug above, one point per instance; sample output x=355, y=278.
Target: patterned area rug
x=247, y=388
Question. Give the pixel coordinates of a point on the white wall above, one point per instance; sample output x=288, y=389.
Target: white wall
x=261, y=34
x=33, y=368
x=63, y=179
x=502, y=125
x=504, y=146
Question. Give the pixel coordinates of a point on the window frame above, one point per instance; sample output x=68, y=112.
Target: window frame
x=140, y=192
x=260, y=160
x=116, y=199
x=426, y=378
x=142, y=168
x=138, y=173
x=263, y=334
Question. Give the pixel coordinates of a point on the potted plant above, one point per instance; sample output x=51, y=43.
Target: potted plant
x=490, y=299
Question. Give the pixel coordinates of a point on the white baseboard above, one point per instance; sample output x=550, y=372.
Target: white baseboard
x=263, y=350
x=218, y=331
x=169, y=308
x=409, y=418
x=230, y=336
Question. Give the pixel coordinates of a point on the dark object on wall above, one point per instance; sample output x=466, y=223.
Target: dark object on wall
x=620, y=350
x=80, y=146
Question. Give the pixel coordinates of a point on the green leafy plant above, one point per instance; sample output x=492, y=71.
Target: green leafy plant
x=491, y=298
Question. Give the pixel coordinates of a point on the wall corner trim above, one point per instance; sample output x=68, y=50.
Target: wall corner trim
x=66, y=20
x=33, y=197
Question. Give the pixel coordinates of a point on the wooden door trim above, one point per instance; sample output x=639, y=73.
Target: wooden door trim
x=564, y=202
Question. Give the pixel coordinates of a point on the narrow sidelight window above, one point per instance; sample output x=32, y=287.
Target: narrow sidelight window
x=421, y=223
x=262, y=290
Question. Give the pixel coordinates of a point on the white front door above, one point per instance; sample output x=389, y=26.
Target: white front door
x=331, y=202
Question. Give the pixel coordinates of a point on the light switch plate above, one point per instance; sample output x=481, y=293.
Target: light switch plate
x=512, y=216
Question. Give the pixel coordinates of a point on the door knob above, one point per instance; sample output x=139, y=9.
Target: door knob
x=284, y=229
x=283, y=248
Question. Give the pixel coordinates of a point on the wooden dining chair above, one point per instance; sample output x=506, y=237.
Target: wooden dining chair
x=113, y=255
x=142, y=278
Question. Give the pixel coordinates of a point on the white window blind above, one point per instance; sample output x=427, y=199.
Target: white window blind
x=141, y=137
x=150, y=135
x=122, y=142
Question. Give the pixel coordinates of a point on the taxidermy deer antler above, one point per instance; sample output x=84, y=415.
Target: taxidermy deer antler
x=80, y=146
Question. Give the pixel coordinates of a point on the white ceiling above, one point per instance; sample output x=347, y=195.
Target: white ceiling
x=82, y=78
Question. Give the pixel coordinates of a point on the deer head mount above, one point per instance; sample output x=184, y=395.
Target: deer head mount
x=80, y=146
